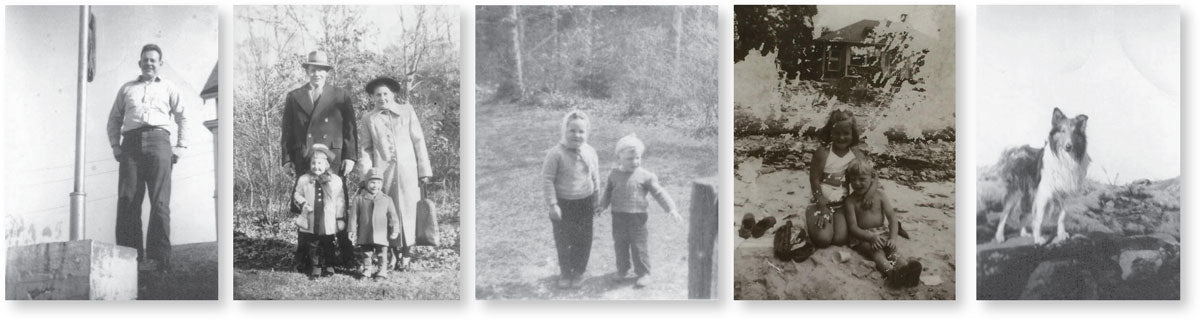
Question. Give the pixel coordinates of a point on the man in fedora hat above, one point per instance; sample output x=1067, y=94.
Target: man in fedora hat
x=319, y=113
x=139, y=131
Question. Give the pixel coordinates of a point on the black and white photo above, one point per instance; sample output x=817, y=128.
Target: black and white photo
x=596, y=152
x=346, y=153
x=844, y=152
x=1078, y=152
x=131, y=92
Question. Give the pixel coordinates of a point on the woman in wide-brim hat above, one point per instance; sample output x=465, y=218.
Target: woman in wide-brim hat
x=393, y=144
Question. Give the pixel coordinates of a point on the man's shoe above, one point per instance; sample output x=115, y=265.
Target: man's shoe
x=147, y=265
x=642, y=281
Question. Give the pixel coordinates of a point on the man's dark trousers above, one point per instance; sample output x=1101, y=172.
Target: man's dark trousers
x=146, y=161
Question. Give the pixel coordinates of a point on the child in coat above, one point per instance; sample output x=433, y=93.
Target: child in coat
x=320, y=195
x=373, y=223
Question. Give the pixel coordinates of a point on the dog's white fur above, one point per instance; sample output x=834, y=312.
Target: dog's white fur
x=1060, y=172
x=1062, y=175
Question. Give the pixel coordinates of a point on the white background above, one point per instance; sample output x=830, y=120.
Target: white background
x=724, y=308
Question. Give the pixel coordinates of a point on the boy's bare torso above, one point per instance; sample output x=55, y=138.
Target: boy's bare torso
x=868, y=208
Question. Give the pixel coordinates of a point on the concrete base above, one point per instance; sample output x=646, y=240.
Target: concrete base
x=72, y=270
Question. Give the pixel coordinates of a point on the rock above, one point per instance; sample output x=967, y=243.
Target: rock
x=843, y=256
x=1060, y=280
x=931, y=280
x=1132, y=228
x=1139, y=264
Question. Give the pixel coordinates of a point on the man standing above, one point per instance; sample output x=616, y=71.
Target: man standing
x=319, y=113
x=139, y=130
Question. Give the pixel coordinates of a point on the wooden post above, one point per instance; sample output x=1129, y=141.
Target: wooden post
x=702, y=240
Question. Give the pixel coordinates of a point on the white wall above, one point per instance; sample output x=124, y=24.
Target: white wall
x=41, y=54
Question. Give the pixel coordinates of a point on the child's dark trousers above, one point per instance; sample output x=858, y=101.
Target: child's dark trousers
x=629, y=240
x=573, y=235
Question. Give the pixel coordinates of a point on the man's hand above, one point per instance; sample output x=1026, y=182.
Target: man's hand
x=176, y=153
x=555, y=213
x=394, y=235
x=599, y=211
x=288, y=166
x=352, y=236
x=347, y=167
x=118, y=153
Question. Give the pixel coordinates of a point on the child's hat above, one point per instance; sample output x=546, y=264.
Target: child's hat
x=374, y=175
x=320, y=147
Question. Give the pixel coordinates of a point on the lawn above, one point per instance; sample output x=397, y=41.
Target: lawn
x=264, y=269
x=515, y=255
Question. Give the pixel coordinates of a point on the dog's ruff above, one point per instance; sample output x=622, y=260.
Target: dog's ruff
x=1039, y=178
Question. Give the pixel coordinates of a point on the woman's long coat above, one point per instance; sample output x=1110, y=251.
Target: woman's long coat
x=393, y=143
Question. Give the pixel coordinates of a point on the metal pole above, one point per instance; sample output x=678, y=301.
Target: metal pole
x=78, y=197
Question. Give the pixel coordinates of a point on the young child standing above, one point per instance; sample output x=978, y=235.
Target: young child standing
x=320, y=195
x=872, y=226
x=373, y=223
x=840, y=139
x=570, y=181
x=626, y=191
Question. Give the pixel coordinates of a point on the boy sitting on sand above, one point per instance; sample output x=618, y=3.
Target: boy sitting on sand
x=867, y=207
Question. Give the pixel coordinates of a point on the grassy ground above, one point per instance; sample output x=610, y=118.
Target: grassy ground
x=193, y=275
x=264, y=270
x=515, y=255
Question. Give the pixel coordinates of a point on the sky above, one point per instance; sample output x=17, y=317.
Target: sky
x=40, y=78
x=1119, y=67
x=920, y=18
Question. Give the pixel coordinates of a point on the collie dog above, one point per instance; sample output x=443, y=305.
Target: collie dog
x=1039, y=178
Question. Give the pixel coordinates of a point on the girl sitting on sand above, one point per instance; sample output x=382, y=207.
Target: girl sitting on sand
x=826, y=177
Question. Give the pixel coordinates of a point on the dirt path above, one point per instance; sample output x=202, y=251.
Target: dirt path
x=926, y=211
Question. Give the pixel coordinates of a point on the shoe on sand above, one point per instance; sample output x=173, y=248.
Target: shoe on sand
x=747, y=225
x=762, y=226
x=906, y=276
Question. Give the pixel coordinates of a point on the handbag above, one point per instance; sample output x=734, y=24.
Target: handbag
x=427, y=226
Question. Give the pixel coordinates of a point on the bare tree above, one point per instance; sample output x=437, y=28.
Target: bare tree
x=517, y=32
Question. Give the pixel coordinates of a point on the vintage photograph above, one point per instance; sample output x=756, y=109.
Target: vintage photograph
x=1078, y=153
x=346, y=153
x=596, y=152
x=110, y=168
x=844, y=152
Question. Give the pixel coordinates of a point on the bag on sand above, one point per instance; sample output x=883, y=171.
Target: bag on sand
x=427, y=226
x=783, y=242
x=791, y=244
